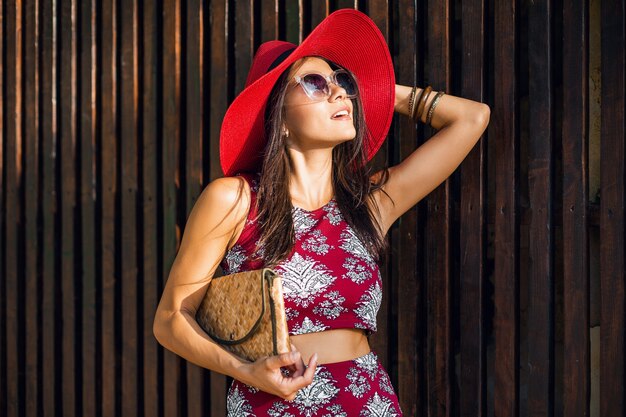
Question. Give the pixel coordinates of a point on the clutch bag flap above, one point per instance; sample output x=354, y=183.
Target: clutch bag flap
x=244, y=312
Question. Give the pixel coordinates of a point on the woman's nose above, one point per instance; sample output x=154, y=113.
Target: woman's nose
x=337, y=92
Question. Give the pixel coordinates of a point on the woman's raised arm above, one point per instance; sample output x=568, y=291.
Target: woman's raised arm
x=460, y=123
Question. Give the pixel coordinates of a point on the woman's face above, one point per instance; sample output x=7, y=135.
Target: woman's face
x=310, y=123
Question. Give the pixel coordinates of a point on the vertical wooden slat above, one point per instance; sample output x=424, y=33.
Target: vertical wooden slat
x=293, y=21
x=219, y=73
x=3, y=338
x=170, y=176
x=128, y=195
x=244, y=42
x=343, y=4
x=472, y=319
x=541, y=241
x=506, y=244
x=219, y=81
x=149, y=258
x=613, y=168
x=193, y=161
x=380, y=343
x=31, y=201
x=576, y=372
x=13, y=212
x=438, y=228
x=50, y=324
x=109, y=365
x=269, y=20
x=318, y=11
x=88, y=175
x=405, y=270
x=67, y=129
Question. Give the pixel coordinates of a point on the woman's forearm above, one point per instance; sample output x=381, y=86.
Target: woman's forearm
x=181, y=334
x=449, y=109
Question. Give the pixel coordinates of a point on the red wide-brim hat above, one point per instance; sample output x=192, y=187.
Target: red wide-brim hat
x=346, y=37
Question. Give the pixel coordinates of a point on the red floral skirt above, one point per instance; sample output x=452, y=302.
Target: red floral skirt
x=358, y=387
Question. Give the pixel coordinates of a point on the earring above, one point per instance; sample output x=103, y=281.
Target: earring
x=286, y=133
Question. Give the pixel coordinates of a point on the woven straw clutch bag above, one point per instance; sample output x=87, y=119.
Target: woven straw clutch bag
x=245, y=314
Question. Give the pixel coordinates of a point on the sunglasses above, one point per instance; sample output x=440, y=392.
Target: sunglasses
x=317, y=86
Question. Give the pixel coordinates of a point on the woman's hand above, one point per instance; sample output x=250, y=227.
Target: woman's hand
x=266, y=374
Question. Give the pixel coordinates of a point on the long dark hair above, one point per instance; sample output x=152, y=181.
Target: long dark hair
x=351, y=176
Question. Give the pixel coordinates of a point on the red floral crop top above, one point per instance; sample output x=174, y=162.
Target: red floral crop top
x=330, y=281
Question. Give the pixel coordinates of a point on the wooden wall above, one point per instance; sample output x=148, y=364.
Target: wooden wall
x=110, y=115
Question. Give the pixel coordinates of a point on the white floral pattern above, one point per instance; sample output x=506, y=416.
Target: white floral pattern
x=237, y=405
x=308, y=326
x=358, y=383
x=303, y=278
x=369, y=305
x=385, y=383
x=235, y=257
x=353, y=245
x=279, y=410
x=331, y=307
x=316, y=243
x=316, y=395
x=333, y=214
x=369, y=364
x=357, y=272
x=378, y=406
x=335, y=411
x=303, y=221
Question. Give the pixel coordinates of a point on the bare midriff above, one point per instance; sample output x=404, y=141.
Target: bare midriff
x=331, y=346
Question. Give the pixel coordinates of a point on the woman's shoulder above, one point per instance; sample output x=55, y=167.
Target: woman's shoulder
x=224, y=202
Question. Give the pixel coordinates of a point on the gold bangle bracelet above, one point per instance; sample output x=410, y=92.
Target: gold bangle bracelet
x=412, y=101
x=422, y=102
x=431, y=110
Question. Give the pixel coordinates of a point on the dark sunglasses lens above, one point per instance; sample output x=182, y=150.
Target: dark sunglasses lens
x=315, y=84
x=347, y=82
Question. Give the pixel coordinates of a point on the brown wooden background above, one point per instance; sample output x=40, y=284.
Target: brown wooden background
x=496, y=286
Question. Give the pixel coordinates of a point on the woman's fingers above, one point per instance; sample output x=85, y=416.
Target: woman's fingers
x=283, y=360
x=307, y=376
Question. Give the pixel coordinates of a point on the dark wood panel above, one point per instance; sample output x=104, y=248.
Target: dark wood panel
x=318, y=11
x=218, y=82
x=612, y=264
x=576, y=361
x=128, y=104
x=13, y=211
x=109, y=364
x=194, y=90
x=67, y=130
x=541, y=240
x=49, y=321
x=218, y=97
x=380, y=341
x=472, y=239
x=3, y=335
x=170, y=177
x=506, y=245
x=31, y=202
x=405, y=238
x=438, y=227
x=293, y=22
x=244, y=42
x=149, y=255
x=88, y=176
x=269, y=20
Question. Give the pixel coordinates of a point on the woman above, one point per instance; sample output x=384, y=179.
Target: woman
x=306, y=204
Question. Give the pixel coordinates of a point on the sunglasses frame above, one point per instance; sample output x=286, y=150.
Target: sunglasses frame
x=332, y=78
